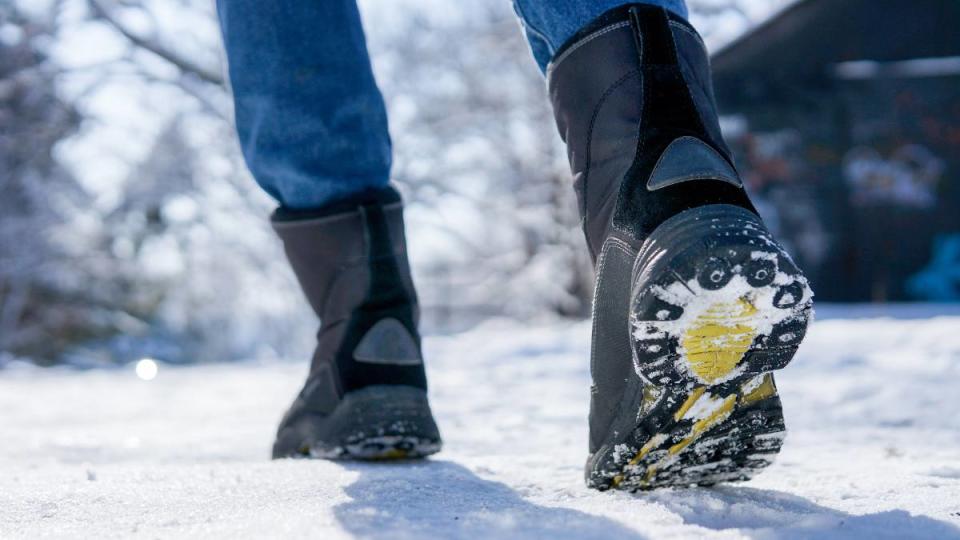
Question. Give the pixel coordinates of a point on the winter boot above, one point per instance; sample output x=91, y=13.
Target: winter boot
x=365, y=397
x=695, y=303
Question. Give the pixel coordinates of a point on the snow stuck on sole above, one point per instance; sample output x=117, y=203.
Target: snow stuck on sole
x=377, y=448
x=717, y=328
x=715, y=298
x=716, y=305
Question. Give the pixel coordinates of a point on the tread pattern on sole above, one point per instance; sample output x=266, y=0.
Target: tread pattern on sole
x=727, y=302
x=377, y=448
x=716, y=305
x=374, y=423
x=713, y=437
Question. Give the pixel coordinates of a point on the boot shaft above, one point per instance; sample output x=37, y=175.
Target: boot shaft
x=337, y=258
x=351, y=263
x=633, y=100
x=365, y=397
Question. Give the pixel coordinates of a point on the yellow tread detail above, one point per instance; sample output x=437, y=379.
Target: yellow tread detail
x=700, y=426
x=717, y=340
x=694, y=396
x=653, y=442
x=393, y=453
x=765, y=390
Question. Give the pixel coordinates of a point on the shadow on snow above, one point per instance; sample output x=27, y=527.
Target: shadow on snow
x=431, y=499
x=782, y=515
x=441, y=499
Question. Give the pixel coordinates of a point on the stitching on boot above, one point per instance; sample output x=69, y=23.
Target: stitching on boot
x=589, y=142
x=678, y=26
x=583, y=42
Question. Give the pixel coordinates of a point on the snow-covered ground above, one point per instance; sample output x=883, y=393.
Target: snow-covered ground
x=872, y=404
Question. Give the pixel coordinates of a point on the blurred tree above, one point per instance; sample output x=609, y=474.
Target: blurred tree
x=478, y=155
x=185, y=258
x=42, y=303
x=485, y=145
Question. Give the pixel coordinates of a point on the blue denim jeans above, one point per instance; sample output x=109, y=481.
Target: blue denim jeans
x=311, y=120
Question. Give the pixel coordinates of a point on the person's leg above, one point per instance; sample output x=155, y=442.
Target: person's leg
x=311, y=120
x=313, y=128
x=695, y=301
x=549, y=24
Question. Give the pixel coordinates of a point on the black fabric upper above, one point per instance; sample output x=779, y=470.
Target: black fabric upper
x=385, y=196
x=352, y=264
x=623, y=89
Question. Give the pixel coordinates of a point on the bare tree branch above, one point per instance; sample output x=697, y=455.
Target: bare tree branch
x=184, y=64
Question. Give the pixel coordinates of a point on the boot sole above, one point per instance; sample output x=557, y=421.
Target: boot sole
x=375, y=423
x=716, y=305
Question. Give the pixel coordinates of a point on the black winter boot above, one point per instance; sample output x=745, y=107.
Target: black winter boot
x=365, y=397
x=695, y=302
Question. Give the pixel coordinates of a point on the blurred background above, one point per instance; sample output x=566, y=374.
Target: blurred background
x=129, y=227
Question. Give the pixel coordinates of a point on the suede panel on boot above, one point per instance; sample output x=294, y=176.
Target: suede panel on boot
x=389, y=296
x=669, y=114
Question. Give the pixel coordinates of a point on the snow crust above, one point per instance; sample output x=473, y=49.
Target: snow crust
x=872, y=451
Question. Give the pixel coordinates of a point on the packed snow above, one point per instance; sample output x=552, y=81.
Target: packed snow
x=873, y=447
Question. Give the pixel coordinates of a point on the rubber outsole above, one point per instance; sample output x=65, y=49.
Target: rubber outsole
x=375, y=423
x=716, y=305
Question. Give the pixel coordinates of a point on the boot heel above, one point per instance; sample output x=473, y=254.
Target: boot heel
x=715, y=305
x=715, y=299
x=374, y=423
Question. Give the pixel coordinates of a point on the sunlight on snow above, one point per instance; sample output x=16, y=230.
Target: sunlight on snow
x=147, y=369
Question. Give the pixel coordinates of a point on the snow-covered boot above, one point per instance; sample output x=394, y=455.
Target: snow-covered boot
x=365, y=397
x=695, y=301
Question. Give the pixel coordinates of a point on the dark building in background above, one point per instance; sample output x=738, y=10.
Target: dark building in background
x=845, y=117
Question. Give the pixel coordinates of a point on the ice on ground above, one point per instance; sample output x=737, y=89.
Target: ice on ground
x=873, y=448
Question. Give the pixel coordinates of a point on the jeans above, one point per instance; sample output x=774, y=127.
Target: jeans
x=548, y=24
x=311, y=120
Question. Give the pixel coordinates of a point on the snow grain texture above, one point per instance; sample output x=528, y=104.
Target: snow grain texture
x=873, y=448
